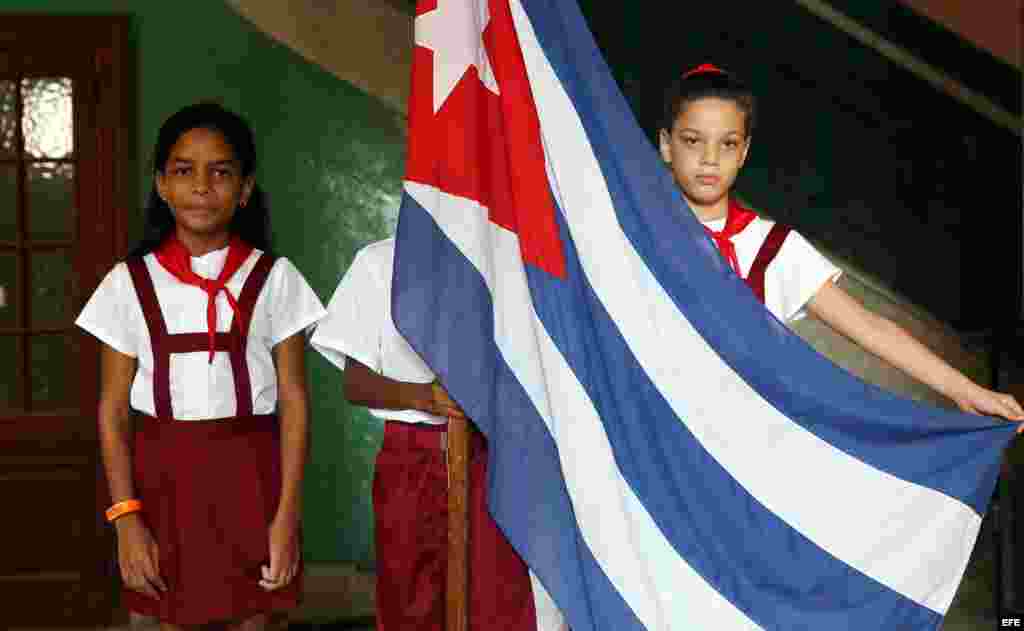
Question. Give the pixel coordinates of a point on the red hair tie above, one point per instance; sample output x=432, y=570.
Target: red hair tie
x=703, y=69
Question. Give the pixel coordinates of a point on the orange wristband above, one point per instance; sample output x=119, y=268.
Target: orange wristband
x=123, y=508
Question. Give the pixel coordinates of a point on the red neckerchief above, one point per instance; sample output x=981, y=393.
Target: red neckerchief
x=175, y=258
x=737, y=219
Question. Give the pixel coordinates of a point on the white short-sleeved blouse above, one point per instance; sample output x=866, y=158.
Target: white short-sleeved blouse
x=359, y=325
x=201, y=390
x=792, y=279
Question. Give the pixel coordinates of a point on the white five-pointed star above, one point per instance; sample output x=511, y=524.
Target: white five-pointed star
x=454, y=32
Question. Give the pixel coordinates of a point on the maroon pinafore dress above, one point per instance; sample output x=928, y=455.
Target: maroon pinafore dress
x=209, y=489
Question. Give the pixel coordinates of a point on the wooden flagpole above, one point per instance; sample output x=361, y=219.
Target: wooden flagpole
x=457, y=589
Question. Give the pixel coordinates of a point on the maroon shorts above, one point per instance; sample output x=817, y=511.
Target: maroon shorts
x=410, y=500
x=209, y=490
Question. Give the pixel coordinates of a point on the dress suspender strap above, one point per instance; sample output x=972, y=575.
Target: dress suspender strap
x=164, y=343
x=246, y=302
x=157, y=336
x=769, y=249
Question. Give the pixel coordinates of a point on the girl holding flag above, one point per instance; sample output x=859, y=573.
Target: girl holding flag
x=202, y=332
x=704, y=138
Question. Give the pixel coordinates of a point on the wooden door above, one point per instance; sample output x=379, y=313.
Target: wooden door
x=62, y=226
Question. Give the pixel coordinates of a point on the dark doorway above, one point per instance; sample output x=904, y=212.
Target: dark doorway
x=62, y=225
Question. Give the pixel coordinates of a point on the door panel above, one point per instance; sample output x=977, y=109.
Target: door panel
x=8, y=203
x=50, y=189
x=61, y=196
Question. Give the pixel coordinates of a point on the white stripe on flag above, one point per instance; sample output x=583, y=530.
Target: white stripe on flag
x=639, y=561
x=885, y=527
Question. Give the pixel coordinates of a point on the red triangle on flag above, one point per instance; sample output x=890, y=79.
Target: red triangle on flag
x=485, y=146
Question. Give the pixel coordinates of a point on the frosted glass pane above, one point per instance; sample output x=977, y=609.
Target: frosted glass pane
x=47, y=121
x=8, y=119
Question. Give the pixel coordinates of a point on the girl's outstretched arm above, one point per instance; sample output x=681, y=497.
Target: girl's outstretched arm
x=891, y=342
x=137, y=552
x=293, y=415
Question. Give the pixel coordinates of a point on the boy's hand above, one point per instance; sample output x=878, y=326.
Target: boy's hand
x=978, y=400
x=442, y=404
x=139, y=557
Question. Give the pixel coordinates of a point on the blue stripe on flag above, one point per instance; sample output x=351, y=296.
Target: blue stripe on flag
x=533, y=505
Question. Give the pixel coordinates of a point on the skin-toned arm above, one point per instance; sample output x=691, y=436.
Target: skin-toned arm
x=366, y=388
x=891, y=342
x=293, y=415
x=136, y=550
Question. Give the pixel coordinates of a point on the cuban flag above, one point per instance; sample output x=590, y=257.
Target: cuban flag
x=664, y=453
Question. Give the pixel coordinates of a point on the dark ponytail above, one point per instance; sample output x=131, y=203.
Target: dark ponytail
x=707, y=81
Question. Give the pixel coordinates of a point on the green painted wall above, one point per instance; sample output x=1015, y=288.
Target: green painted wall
x=332, y=165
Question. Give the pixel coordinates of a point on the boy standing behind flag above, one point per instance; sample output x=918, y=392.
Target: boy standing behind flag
x=383, y=373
